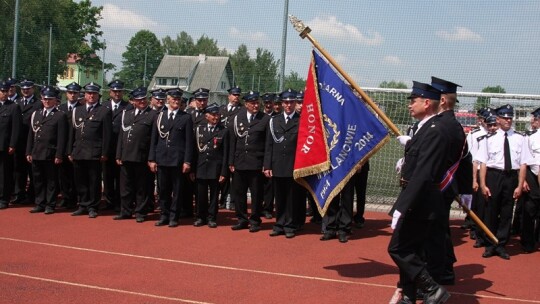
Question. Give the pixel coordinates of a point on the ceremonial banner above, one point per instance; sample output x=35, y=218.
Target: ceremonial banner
x=337, y=134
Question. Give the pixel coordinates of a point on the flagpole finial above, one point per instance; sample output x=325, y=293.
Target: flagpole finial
x=299, y=26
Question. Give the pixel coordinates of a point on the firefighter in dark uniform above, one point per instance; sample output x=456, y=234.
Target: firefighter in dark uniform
x=132, y=156
x=13, y=95
x=531, y=202
x=111, y=171
x=212, y=143
x=66, y=174
x=157, y=101
x=420, y=201
x=10, y=128
x=279, y=153
x=46, y=148
x=88, y=147
x=268, y=200
x=248, y=137
x=28, y=103
x=227, y=111
x=504, y=157
x=171, y=156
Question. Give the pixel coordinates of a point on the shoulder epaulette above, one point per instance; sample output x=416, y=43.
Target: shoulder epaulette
x=490, y=134
x=530, y=132
x=475, y=130
x=519, y=133
x=479, y=138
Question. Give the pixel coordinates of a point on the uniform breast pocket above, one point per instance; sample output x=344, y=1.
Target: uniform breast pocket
x=93, y=123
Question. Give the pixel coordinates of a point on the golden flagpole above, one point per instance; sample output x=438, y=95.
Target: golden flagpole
x=478, y=222
x=304, y=33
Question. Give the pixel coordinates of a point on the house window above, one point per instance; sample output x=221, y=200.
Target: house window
x=223, y=85
x=96, y=75
x=87, y=74
x=162, y=81
x=71, y=73
x=174, y=81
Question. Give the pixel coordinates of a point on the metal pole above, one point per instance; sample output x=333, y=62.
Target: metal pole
x=145, y=56
x=103, y=63
x=283, y=45
x=15, y=41
x=50, y=55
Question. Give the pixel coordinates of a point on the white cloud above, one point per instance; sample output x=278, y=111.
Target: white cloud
x=118, y=18
x=247, y=36
x=393, y=60
x=330, y=27
x=459, y=33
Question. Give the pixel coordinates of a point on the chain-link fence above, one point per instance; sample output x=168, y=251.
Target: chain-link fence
x=383, y=185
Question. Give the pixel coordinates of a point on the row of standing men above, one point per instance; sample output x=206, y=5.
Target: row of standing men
x=125, y=145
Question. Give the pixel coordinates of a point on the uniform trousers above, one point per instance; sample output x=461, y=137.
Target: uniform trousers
x=406, y=250
x=23, y=177
x=45, y=182
x=6, y=177
x=269, y=196
x=170, y=183
x=531, y=213
x=288, y=196
x=134, y=188
x=207, y=210
x=339, y=215
x=111, y=182
x=500, y=206
x=242, y=181
x=66, y=178
x=359, y=181
x=88, y=181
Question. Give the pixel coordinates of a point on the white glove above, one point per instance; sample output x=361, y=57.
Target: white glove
x=466, y=200
x=403, y=139
x=399, y=164
x=395, y=217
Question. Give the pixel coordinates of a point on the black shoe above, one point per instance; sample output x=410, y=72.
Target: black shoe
x=447, y=281
x=276, y=233
x=472, y=235
x=255, y=228
x=49, y=210
x=267, y=215
x=221, y=206
x=139, y=219
x=502, y=253
x=478, y=244
x=359, y=225
x=37, y=209
x=433, y=292
x=122, y=217
x=162, y=222
x=92, y=214
x=199, y=223
x=343, y=237
x=3, y=205
x=80, y=211
x=289, y=235
x=328, y=236
x=212, y=224
x=173, y=223
x=488, y=253
x=239, y=226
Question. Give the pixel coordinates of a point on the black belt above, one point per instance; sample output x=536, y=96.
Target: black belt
x=503, y=172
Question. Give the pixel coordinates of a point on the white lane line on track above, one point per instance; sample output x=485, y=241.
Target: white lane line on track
x=101, y=288
x=248, y=270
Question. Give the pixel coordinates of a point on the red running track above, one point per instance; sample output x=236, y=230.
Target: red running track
x=63, y=259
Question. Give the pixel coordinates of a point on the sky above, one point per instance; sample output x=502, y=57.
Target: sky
x=473, y=43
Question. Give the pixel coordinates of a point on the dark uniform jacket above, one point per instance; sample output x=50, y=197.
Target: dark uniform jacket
x=47, y=137
x=172, y=142
x=197, y=120
x=65, y=108
x=227, y=115
x=462, y=182
x=26, y=111
x=247, y=141
x=212, y=151
x=426, y=161
x=91, y=133
x=116, y=120
x=280, y=148
x=10, y=125
x=135, y=135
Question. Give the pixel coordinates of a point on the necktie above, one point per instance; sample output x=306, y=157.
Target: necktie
x=45, y=113
x=115, y=108
x=287, y=118
x=25, y=102
x=211, y=129
x=229, y=108
x=507, y=160
x=171, y=116
x=89, y=109
x=137, y=112
x=70, y=108
x=251, y=118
